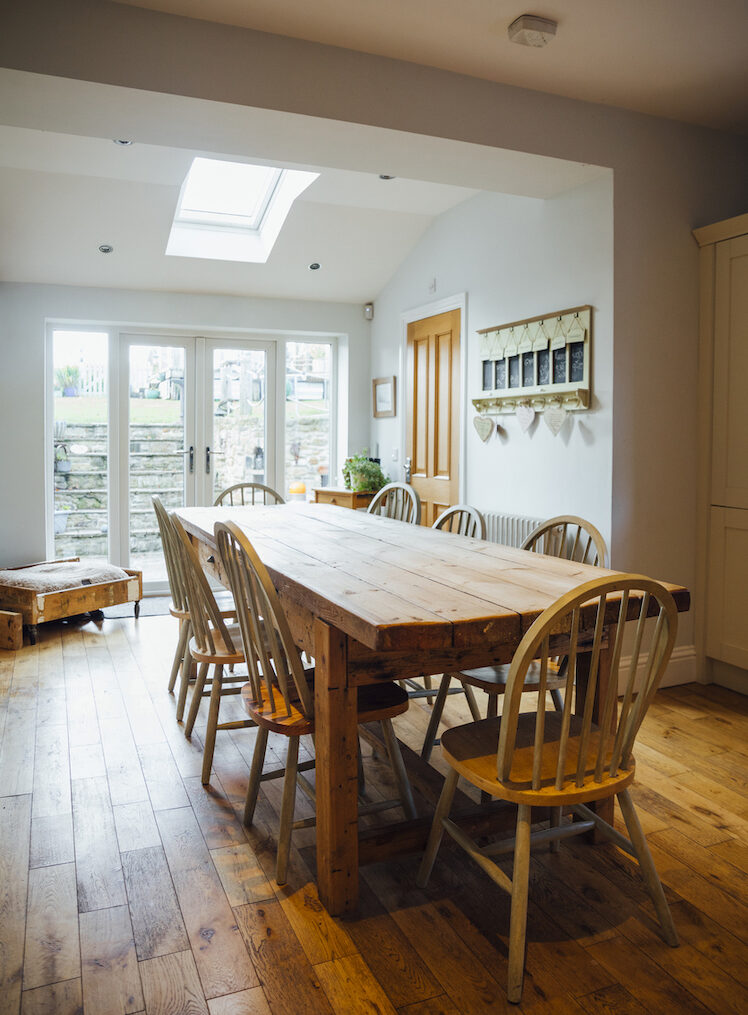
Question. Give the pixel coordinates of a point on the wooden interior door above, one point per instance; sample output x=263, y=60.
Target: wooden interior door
x=432, y=438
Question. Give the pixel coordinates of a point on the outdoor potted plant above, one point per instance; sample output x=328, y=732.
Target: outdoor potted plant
x=62, y=462
x=362, y=474
x=67, y=379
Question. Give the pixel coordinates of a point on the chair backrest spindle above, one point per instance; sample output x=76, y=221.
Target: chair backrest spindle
x=462, y=519
x=398, y=501
x=571, y=538
x=248, y=493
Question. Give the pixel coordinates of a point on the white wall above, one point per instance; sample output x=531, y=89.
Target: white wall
x=24, y=311
x=515, y=258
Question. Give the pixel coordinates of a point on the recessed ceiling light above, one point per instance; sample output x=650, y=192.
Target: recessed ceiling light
x=121, y=141
x=106, y=248
x=314, y=266
x=530, y=30
x=384, y=176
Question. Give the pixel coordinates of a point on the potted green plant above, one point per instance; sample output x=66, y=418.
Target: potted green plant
x=62, y=462
x=362, y=474
x=67, y=379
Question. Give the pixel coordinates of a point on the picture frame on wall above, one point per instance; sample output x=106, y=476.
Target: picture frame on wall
x=383, y=396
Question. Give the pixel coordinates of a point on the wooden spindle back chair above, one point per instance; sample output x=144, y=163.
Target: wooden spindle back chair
x=248, y=493
x=571, y=538
x=552, y=759
x=463, y=520
x=178, y=607
x=279, y=695
x=399, y=501
x=214, y=643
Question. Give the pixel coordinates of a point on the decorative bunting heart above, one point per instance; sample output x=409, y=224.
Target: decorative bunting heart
x=525, y=415
x=484, y=426
x=555, y=416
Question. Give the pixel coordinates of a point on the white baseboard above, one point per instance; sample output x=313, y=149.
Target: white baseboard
x=681, y=668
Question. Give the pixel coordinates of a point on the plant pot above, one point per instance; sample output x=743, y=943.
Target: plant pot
x=61, y=522
x=63, y=466
x=69, y=392
x=153, y=393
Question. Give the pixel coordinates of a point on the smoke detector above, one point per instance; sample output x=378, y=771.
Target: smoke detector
x=530, y=30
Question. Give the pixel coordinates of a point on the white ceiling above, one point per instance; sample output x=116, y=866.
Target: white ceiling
x=64, y=192
x=682, y=59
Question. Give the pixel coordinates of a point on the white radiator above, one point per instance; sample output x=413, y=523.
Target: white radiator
x=511, y=530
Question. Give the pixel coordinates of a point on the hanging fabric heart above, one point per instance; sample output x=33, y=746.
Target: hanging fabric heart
x=555, y=416
x=483, y=426
x=525, y=415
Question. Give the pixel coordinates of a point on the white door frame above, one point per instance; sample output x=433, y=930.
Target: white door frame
x=456, y=302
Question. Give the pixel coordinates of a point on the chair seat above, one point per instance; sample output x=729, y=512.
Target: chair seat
x=375, y=702
x=493, y=678
x=472, y=750
x=222, y=656
x=179, y=614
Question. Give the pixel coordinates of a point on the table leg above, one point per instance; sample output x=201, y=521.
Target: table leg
x=336, y=749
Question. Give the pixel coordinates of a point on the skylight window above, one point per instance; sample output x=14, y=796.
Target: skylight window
x=233, y=211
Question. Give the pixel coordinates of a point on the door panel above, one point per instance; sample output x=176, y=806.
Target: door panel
x=433, y=405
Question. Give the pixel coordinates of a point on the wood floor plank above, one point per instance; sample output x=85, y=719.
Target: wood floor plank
x=63, y=998
x=162, y=778
x=86, y=761
x=111, y=982
x=614, y=1000
x=726, y=950
x=126, y=783
x=136, y=826
x=15, y=825
x=52, y=952
x=247, y=1002
x=286, y=975
x=171, y=985
x=351, y=987
x=441, y=1005
x=100, y=883
x=241, y=875
x=52, y=840
x=705, y=862
x=734, y=851
x=157, y=922
x=214, y=813
x=17, y=751
x=220, y=954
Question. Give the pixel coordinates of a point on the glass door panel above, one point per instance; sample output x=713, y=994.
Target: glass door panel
x=308, y=416
x=159, y=461
x=237, y=451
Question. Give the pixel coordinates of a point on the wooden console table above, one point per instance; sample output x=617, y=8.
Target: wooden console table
x=353, y=499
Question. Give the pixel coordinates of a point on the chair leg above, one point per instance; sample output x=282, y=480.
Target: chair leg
x=255, y=774
x=437, y=828
x=287, y=809
x=398, y=767
x=472, y=703
x=557, y=699
x=197, y=696
x=210, y=731
x=436, y=714
x=493, y=706
x=184, y=673
x=361, y=773
x=518, y=919
x=428, y=685
x=178, y=654
x=648, y=869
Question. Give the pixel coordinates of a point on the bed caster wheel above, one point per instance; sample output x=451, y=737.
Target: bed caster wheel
x=32, y=634
x=136, y=609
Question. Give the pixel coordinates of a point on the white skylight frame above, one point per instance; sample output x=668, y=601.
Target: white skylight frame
x=223, y=219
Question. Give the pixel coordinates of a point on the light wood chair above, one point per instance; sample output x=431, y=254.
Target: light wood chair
x=214, y=643
x=178, y=606
x=550, y=759
x=463, y=520
x=399, y=501
x=248, y=493
x=279, y=694
x=565, y=536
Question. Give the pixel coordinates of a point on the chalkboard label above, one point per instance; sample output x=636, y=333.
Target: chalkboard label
x=500, y=373
x=514, y=372
x=487, y=374
x=544, y=367
x=576, y=361
x=559, y=366
x=528, y=369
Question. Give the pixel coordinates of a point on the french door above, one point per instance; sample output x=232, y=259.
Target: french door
x=196, y=415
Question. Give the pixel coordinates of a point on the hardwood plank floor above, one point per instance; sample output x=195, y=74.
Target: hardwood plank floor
x=126, y=886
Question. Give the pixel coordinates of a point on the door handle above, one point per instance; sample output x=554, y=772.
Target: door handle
x=208, y=454
x=191, y=460
x=406, y=467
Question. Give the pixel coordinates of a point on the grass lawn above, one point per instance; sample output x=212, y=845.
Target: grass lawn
x=94, y=410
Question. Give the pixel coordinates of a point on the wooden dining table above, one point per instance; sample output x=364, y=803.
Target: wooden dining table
x=375, y=599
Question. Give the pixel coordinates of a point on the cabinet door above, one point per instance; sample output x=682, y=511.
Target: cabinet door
x=727, y=590
x=730, y=413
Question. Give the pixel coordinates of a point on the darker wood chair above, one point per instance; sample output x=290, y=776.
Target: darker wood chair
x=279, y=694
x=559, y=760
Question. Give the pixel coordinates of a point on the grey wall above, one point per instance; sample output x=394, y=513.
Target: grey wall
x=514, y=258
